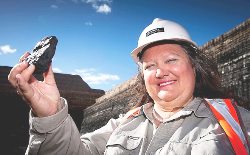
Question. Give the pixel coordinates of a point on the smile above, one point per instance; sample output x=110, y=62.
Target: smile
x=166, y=83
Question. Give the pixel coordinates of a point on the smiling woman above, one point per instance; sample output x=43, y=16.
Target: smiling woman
x=181, y=112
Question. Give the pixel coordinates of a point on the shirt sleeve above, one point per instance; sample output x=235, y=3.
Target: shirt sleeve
x=58, y=134
x=97, y=140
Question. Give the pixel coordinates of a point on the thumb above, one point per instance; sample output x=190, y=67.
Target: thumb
x=49, y=76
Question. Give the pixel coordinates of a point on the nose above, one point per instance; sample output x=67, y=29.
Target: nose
x=160, y=73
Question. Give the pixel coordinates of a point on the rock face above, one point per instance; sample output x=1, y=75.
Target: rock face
x=14, y=112
x=117, y=101
x=230, y=50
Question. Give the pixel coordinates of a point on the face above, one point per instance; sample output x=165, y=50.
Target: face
x=168, y=74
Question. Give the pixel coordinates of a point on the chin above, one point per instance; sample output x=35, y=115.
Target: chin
x=166, y=97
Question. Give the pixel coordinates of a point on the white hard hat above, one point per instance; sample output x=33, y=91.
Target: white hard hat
x=160, y=30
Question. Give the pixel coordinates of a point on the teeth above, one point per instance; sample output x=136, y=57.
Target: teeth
x=166, y=83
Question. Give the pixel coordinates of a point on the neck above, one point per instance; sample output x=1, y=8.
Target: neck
x=166, y=111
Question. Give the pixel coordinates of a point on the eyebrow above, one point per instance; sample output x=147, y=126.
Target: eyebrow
x=151, y=59
x=175, y=53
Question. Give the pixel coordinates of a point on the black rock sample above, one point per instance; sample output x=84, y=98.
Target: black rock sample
x=42, y=54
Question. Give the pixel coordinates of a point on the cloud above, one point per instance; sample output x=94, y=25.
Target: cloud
x=88, y=23
x=101, y=6
x=103, y=9
x=53, y=6
x=6, y=49
x=92, y=77
x=57, y=70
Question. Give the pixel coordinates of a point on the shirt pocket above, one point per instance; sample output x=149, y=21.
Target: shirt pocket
x=210, y=136
x=123, y=143
x=207, y=143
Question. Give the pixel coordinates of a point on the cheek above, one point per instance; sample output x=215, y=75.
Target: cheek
x=148, y=78
x=185, y=74
x=188, y=75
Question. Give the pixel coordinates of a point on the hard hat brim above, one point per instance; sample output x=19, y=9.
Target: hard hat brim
x=135, y=52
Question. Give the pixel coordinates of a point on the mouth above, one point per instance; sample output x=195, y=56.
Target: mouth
x=166, y=83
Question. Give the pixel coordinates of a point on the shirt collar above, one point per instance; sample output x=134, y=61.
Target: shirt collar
x=196, y=106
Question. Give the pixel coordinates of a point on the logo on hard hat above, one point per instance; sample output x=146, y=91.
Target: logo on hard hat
x=154, y=31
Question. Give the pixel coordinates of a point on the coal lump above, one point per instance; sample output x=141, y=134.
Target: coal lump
x=42, y=54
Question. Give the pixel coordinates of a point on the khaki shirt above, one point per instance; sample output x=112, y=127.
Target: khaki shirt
x=193, y=130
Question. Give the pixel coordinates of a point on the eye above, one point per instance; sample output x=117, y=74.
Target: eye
x=149, y=66
x=172, y=60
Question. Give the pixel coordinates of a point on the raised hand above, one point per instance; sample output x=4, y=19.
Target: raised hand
x=42, y=96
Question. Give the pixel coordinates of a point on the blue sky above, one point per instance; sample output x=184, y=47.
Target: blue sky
x=97, y=36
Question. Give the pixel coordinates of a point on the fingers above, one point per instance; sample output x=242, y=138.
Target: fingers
x=22, y=68
x=27, y=73
x=17, y=69
x=22, y=80
x=25, y=55
x=49, y=76
x=23, y=88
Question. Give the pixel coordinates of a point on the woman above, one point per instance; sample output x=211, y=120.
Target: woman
x=178, y=117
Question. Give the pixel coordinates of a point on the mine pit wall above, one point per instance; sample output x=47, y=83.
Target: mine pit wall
x=115, y=102
x=231, y=51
